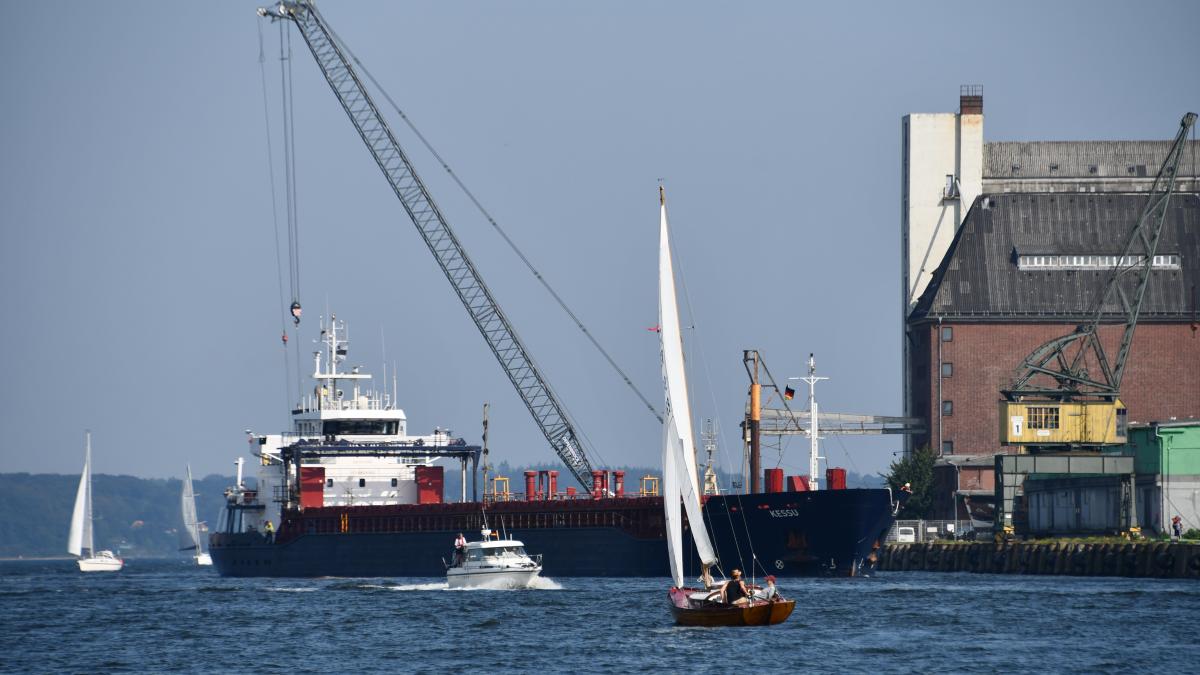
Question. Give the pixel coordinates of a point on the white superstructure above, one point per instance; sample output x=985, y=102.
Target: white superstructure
x=351, y=436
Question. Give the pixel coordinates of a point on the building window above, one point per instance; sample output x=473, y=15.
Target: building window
x=393, y=482
x=947, y=369
x=947, y=408
x=947, y=333
x=1042, y=417
x=328, y=482
x=362, y=482
x=1095, y=262
x=947, y=447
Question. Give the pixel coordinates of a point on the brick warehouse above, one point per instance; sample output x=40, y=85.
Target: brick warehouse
x=994, y=299
x=1042, y=223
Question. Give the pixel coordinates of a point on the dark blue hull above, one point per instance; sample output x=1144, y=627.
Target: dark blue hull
x=792, y=534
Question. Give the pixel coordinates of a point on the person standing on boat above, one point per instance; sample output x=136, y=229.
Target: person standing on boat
x=460, y=549
x=269, y=529
x=735, y=590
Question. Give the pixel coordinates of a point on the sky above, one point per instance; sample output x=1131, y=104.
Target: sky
x=138, y=275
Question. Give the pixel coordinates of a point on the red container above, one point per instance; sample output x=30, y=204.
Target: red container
x=835, y=478
x=797, y=483
x=312, y=487
x=773, y=480
x=429, y=484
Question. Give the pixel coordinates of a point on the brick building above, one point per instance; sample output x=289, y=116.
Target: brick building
x=1042, y=224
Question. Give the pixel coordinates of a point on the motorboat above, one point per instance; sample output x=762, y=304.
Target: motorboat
x=492, y=562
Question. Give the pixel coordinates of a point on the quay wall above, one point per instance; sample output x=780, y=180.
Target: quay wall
x=1168, y=560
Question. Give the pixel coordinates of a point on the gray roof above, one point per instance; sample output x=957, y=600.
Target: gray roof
x=978, y=280
x=1083, y=159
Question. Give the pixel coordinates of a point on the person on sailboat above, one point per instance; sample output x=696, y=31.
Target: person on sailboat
x=767, y=592
x=735, y=590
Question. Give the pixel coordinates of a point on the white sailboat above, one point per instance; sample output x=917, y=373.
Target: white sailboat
x=191, y=525
x=80, y=540
x=691, y=606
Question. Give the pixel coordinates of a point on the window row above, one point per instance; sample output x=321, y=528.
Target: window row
x=1093, y=262
x=362, y=482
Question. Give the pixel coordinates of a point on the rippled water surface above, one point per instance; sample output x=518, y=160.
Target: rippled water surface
x=163, y=615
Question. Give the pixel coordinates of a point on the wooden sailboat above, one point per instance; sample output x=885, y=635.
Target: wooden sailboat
x=80, y=539
x=691, y=606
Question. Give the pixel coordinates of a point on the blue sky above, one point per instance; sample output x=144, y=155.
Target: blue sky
x=137, y=266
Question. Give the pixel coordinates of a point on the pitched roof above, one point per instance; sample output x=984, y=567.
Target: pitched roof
x=979, y=279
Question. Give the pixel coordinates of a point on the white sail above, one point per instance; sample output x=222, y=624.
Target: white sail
x=679, y=454
x=80, y=537
x=187, y=503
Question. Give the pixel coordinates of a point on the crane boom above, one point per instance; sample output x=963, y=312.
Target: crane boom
x=514, y=358
x=1062, y=363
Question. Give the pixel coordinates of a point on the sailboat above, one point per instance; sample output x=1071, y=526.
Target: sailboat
x=191, y=525
x=692, y=606
x=80, y=540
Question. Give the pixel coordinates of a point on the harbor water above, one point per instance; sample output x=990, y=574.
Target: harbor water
x=158, y=616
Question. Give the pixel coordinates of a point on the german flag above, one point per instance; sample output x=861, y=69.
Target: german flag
x=788, y=393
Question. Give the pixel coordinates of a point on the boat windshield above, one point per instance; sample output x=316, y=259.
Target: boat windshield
x=507, y=552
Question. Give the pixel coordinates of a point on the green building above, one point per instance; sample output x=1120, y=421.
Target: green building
x=1167, y=461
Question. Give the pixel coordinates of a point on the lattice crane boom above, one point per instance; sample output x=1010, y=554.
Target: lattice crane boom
x=1062, y=363
x=514, y=358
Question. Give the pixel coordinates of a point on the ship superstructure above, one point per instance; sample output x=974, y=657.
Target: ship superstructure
x=348, y=446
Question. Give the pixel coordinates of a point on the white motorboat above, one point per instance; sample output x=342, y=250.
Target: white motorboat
x=80, y=540
x=493, y=563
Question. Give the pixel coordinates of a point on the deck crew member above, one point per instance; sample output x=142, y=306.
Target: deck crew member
x=269, y=529
x=902, y=497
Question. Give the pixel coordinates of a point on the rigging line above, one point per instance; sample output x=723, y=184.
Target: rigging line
x=262, y=70
x=687, y=299
x=487, y=215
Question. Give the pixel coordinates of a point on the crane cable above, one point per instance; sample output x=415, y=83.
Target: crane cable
x=511, y=244
x=262, y=70
x=289, y=153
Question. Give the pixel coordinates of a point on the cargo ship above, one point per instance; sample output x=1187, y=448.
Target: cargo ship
x=347, y=492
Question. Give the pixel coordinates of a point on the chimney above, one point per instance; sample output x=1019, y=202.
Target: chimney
x=970, y=99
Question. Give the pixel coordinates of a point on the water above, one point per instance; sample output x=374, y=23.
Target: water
x=157, y=616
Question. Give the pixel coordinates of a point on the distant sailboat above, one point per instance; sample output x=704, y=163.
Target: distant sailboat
x=191, y=525
x=80, y=541
x=692, y=606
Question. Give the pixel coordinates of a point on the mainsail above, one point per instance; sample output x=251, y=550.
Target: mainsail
x=80, y=537
x=187, y=504
x=680, y=483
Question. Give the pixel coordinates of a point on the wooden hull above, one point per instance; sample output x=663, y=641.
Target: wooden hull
x=757, y=613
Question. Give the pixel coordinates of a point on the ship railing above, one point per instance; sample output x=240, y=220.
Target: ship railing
x=318, y=403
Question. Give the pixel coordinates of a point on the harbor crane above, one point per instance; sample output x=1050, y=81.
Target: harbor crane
x=1065, y=394
x=514, y=358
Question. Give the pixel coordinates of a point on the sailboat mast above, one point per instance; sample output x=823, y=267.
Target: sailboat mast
x=88, y=539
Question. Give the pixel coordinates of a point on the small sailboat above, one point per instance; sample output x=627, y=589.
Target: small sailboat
x=80, y=540
x=693, y=606
x=191, y=525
